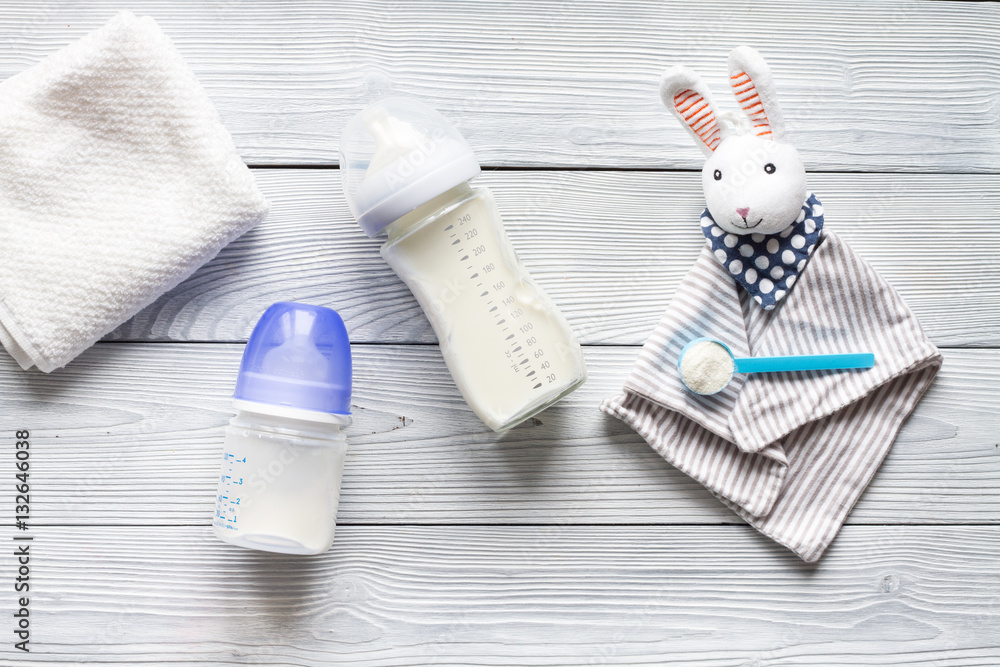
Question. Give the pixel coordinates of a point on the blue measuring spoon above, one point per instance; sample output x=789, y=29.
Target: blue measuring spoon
x=806, y=362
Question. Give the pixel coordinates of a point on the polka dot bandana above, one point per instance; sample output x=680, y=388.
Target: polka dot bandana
x=767, y=265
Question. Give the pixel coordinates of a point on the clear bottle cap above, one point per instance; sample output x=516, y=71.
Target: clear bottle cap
x=397, y=154
x=299, y=357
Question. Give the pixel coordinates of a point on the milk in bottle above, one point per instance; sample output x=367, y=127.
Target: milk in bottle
x=509, y=349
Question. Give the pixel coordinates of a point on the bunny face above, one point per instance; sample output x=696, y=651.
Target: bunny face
x=754, y=183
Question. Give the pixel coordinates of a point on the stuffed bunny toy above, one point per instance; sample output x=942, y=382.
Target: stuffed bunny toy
x=789, y=452
x=761, y=222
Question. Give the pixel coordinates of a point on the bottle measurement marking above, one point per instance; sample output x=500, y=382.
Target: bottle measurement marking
x=226, y=513
x=501, y=321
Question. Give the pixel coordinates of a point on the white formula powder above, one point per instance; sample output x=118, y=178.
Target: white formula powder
x=707, y=367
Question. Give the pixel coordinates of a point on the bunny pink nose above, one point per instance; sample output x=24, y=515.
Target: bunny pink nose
x=743, y=212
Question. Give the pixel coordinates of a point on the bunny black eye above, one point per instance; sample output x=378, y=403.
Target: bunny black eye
x=718, y=174
x=769, y=168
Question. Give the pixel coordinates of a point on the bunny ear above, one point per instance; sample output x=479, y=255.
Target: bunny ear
x=753, y=86
x=687, y=96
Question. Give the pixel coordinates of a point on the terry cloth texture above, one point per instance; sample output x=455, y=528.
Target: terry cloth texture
x=117, y=181
x=789, y=452
x=767, y=265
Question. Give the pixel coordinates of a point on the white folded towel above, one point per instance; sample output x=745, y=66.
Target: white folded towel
x=117, y=181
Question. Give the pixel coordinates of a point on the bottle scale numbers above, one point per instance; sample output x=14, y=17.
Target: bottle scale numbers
x=523, y=350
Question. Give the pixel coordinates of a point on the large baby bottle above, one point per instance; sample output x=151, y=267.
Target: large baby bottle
x=284, y=451
x=509, y=349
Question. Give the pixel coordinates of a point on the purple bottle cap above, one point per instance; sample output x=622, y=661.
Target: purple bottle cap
x=298, y=356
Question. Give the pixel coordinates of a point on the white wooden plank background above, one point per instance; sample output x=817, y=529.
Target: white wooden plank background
x=520, y=595
x=567, y=541
x=886, y=86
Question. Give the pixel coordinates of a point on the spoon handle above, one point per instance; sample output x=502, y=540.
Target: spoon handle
x=809, y=362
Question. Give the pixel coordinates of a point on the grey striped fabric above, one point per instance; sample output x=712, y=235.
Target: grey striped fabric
x=789, y=452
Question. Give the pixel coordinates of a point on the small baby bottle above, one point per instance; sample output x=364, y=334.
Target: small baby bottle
x=509, y=349
x=284, y=451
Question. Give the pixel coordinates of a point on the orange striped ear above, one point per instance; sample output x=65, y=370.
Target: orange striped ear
x=686, y=96
x=749, y=100
x=753, y=86
x=698, y=115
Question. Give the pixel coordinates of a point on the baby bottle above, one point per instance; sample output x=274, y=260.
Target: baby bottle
x=284, y=451
x=509, y=349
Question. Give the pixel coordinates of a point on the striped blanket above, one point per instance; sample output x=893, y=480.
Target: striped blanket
x=789, y=452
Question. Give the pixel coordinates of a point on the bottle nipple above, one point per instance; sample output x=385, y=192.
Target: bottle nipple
x=394, y=138
x=396, y=155
x=297, y=356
